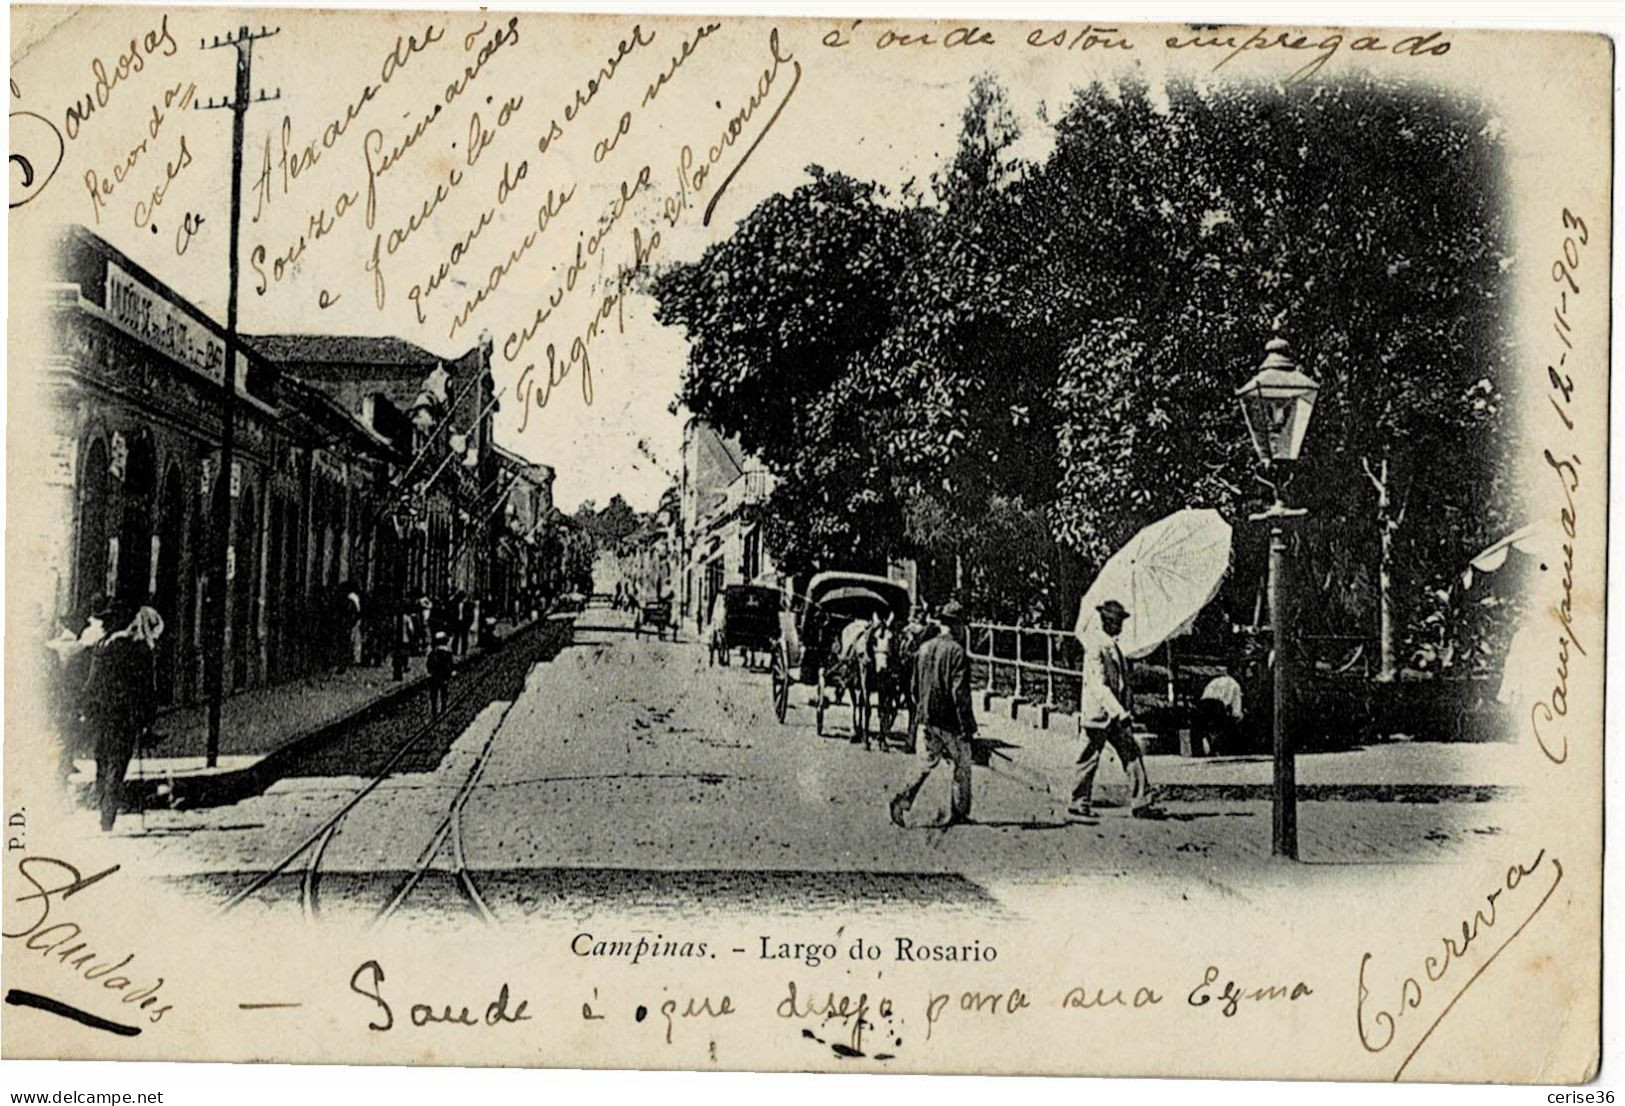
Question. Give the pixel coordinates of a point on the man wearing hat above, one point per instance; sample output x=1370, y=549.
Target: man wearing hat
x=120, y=700
x=1107, y=715
x=942, y=704
x=440, y=665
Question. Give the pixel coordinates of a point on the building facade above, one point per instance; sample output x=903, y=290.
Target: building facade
x=133, y=388
x=360, y=464
x=520, y=543
x=449, y=486
x=717, y=537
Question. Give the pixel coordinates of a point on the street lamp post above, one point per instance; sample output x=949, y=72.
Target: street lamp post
x=1277, y=404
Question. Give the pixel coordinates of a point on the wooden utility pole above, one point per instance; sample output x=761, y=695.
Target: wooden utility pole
x=215, y=655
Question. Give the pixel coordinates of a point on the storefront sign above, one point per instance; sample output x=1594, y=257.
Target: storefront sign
x=143, y=314
x=328, y=465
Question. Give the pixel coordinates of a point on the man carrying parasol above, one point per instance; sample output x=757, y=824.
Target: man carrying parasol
x=1168, y=572
x=1107, y=715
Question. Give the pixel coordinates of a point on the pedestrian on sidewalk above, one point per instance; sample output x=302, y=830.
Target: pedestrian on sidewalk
x=942, y=695
x=443, y=619
x=379, y=630
x=354, y=616
x=462, y=610
x=1108, y=717
x=121, y=700
x=401, y=643
x=441, y=662
x=426, y=623
x=65, y=684
x=338, y=616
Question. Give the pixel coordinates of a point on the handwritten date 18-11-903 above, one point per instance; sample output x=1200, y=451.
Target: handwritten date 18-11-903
x=1564, y=464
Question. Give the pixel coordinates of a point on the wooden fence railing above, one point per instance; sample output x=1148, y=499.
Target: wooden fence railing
x=1028, y=663
x=1045, y=666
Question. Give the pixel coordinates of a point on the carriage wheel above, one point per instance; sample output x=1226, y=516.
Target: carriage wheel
x=820, y=701
x=781, y=684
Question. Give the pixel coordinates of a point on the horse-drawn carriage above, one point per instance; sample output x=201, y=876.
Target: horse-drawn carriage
x=848, y=636
x=744, y=617
x=655, y=617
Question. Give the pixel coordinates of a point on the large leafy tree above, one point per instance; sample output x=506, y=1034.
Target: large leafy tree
x=1364, y=220
x=775, y=315
x=610, y=525
x=1015, y=354
x=971, y=365
x=964, y=380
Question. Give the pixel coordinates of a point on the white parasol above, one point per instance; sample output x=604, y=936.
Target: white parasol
x=1165, y=575
x=1533, y=540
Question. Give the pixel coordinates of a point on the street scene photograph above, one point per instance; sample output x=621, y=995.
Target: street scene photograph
x=1124, y=498
x=824, y=543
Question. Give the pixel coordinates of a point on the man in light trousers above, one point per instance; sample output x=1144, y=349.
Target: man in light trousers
x=1107, y=716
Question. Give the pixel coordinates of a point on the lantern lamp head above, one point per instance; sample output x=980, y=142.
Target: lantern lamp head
x=1277, y=404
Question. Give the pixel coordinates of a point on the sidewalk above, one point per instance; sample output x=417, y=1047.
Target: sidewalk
x=1416, y=772
x=253, y=723
x=259, y=724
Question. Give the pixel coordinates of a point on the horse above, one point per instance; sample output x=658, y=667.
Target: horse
x=853, y=671
x=896, y=651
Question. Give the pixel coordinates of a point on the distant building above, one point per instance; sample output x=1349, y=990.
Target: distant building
x=643, y=561
x=519, y=571
x=718, y=538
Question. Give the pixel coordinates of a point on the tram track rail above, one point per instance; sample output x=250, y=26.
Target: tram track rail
x=313, y=847
x=451, y=829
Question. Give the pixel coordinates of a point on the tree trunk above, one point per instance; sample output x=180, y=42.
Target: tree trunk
x=1386, y=525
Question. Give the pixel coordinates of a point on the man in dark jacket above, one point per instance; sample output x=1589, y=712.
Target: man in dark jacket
x=942, y=698
x=120, y=701
x=440, y=664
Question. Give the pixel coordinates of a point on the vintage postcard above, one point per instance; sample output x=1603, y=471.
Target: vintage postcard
x=806, y=543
